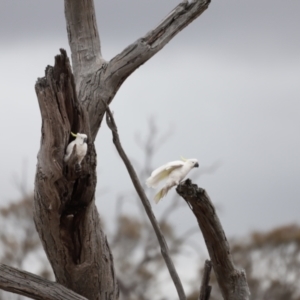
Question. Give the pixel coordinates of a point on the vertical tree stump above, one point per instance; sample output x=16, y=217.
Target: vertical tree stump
x=64, y=205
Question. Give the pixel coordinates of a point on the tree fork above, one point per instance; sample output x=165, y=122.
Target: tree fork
x=65, y=214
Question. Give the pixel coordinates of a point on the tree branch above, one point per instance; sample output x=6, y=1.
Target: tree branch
x=205, y=288
x=83, y=38
x=64, y=207
x=99, y=89
x=32, y=286
x=163, y=245
x=232, y=282
x=122, y=65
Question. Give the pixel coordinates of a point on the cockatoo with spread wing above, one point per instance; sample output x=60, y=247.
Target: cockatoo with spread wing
x=81, y=147
x=173, y=173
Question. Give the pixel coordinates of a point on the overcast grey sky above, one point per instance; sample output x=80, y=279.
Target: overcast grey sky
x=228, y=85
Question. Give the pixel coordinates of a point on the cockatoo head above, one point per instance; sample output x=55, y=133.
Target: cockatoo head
x=80, y=137
x=193, y=162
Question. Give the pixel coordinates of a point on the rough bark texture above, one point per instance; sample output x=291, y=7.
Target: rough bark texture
x=35, y=287
x=65, y=213
x=64, y=206
x=83, y=38
x=232, y=282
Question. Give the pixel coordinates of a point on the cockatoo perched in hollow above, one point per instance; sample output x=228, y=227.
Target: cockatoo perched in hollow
x=81, y=147
x=173, y=172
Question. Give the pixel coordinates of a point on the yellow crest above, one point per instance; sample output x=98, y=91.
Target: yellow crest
x=183, y=159
x=73, y=134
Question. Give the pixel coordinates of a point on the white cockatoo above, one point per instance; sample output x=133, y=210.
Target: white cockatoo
x=81, y=147
x=173, y=173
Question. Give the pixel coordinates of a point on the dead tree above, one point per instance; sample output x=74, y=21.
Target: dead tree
x=65, y=214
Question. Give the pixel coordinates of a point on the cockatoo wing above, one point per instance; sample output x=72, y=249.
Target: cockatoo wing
x=81, y=151
x=162, y=173
x=69, y=151
x=162, y=193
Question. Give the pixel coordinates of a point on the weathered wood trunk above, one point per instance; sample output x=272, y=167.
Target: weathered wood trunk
x=64, y=206
x=65, y=213
x=232, y=281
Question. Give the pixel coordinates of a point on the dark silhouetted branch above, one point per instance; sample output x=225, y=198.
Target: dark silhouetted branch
x=232, y=282
x=163, y=245
x=205, y=288
x=32, y=286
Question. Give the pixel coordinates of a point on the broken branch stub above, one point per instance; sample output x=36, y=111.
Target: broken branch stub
x=232, y=281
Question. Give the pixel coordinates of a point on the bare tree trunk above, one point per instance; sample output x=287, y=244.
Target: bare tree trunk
x=65, y=214
x=232, y=282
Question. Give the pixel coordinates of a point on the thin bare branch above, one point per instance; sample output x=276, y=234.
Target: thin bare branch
x=163, y=245
x=122, y=65
x=232, y=282
x=32, y=286
x=205, y=288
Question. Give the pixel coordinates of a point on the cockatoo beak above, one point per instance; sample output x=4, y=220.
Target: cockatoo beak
x=73, y=134
x=196, y=165
x=85, y=140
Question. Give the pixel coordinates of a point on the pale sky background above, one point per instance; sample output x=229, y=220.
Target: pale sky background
x=228, y=85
